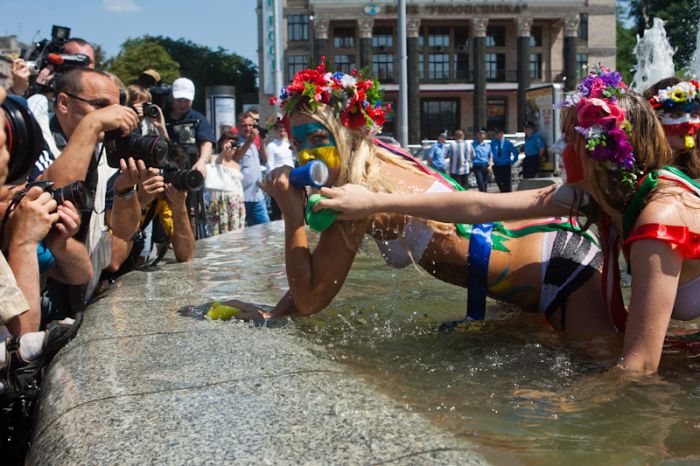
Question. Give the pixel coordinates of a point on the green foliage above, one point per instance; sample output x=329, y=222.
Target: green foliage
x=209, y=67
x=101, y=61
x=138, y=55
x=626, y=40
x=682, y=18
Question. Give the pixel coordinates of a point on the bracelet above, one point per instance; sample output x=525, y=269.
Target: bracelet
x=126, y=195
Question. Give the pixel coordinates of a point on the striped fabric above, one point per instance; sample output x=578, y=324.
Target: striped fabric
x=459, y=157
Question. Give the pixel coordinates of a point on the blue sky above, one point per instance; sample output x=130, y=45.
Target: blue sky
x=230, y=24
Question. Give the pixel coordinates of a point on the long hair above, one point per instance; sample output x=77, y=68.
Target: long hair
x=360, y=163
x=651, y=150
x=688, y=160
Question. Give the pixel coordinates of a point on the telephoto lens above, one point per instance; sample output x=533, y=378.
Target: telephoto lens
x=77, y=193
x=184, y=180
x=153, y=150
x=25, y=141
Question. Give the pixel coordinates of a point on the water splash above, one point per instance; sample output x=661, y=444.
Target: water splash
x=654, y=57
x=695, y=60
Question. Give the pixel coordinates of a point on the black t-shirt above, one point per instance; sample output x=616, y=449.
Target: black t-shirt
x=181, y=134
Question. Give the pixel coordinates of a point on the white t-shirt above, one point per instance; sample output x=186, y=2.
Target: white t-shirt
x=279, y=154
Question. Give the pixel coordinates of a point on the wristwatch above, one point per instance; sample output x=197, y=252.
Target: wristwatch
x=127, y=194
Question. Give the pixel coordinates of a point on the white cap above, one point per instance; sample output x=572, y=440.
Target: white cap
x=183, y=88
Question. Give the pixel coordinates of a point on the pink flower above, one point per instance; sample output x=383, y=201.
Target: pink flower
x=591, y=111
x=597, y=88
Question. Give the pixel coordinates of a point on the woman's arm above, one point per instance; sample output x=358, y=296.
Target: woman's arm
x=656, y=268
x=354, y=202
x=314, y=277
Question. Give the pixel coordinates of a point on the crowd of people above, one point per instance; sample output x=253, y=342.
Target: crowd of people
x=487, y=159
x=79, y=209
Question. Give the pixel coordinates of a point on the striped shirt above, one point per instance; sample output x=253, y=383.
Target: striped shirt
x=459, y=154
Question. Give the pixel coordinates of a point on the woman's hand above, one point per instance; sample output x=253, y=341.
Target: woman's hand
x=69, y=221
x=250, y=311
x=151, y=184
x=351, y=200
x=290, y=199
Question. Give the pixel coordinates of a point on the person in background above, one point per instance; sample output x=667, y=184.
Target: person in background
x=279, y=154
x=460, y=153
x=504, y=156
x=436, y=154
x=251, y=160
x=150, y=125
x=534, y=150
x=482, y=159
x=224, y=187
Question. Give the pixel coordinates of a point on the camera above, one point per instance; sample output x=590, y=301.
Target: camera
x=50, y=52
x=261, y=131
x=61, y=62
x=150, y=109
x=184, y=180
x=161, y=94
x=76, y=192
x=153, y=150
x=25, y=141
x=185, y=132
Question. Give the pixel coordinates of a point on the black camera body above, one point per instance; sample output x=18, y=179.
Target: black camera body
x=50, y=52
x=76, y=192
x=262, y=131
x=161, y=95
x=150, y=109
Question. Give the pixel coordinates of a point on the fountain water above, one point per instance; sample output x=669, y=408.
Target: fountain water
x=654, y=57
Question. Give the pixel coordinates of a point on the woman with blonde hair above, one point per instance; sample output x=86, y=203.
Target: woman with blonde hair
x=537, y=265
x=617, y=152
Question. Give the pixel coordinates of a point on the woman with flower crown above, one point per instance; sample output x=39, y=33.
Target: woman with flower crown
x=538, y=265
x=617, y=153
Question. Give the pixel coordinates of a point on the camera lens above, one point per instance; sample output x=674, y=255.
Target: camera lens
x=184, y=180
x=24, y=139
x=77, y=193
x=153, y=150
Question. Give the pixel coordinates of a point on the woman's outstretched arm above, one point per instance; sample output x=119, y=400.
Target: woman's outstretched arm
x=354, y=202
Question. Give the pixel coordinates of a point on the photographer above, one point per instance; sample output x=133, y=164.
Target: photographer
x=181, y=112
x=152, y=121
x=251, y=160
x=164, y=201
x=36, y=231
x=87, y=105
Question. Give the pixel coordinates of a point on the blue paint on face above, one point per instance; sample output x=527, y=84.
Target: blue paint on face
x=302, y=132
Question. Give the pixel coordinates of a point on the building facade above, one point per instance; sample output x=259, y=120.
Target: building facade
x=469, y=62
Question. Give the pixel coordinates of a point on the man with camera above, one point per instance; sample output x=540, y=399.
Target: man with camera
x=87, y=106
x=182, y=114
x=251, y=160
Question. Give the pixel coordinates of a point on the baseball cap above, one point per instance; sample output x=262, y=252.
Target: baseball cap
x=183, y=88
x=528, y=124
x=443, y=134
x=152, y=74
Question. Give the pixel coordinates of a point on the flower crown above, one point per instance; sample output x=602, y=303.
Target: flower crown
x=602, y=122
x=358, y=101
x=683, y=96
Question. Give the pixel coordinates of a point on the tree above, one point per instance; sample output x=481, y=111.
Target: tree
x=208, y=67
x=101, y=61
x=141, y=54
x=681, y=16
x=626, y=40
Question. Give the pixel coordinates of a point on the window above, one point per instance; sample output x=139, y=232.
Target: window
x=495, y=36
x=495, y=114
x=583, y=26
x=439, y=66
x=462, y=66
x=438, y=114
x=535, y=66
x=297, y=27
x=344, y=38
x=382, y=38
x=461, y=38
x=383, y=66
x=344, y=63
x=536, y=36
x=439, y=37
x=581, y=65
x=421, y=67
x=296, y=63
x=495, y=67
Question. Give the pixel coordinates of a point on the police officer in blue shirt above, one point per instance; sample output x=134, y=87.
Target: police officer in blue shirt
x=482, y=159
x=504, y=155
x=534, y=150
x=436, y=154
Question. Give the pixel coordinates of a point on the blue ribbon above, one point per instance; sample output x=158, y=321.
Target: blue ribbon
x=478, y=267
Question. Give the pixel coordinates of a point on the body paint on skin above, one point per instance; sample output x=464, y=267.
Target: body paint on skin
x=326, y=153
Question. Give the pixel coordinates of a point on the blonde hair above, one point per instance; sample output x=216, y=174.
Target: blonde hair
x=360, y=163
x=137, y=92
x=651, y=150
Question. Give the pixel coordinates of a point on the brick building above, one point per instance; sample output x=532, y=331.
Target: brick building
x=468, y=61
